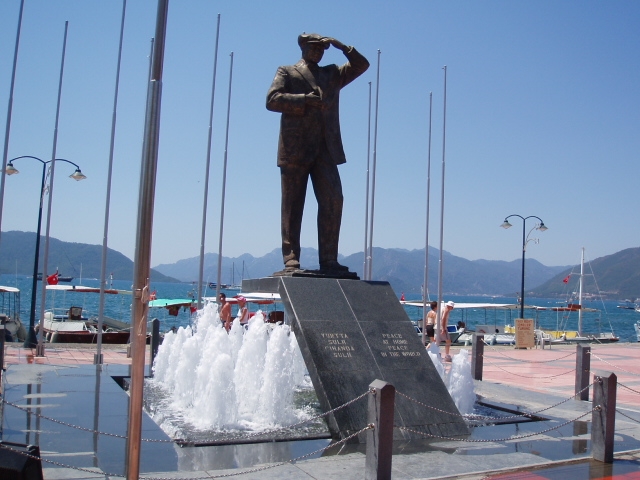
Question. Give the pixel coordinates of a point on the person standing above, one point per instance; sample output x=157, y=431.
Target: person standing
x=243, y=311
x=225, y=311
x=444, y=332
x=310, y=144
x=431, y=321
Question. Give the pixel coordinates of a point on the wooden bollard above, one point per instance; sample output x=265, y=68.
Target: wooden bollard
x=583, y=369
x=155, y=342
x=477, y=355
x=603, y=420
x=379, y=445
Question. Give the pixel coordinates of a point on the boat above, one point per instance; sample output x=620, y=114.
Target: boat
x=73, y=325
x=10, y=314
x=628, y=305
x=61, y=278
x=577, y=336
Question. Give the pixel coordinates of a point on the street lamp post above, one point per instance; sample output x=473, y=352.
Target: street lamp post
x=525, y=239
x=31, y=340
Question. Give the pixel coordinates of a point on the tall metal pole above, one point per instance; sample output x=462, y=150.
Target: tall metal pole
x=142, y=260
x=440, y=264
x=524, y=249
x=580, y=293
x=206, y=174
x=373, y=177
x=40, y=347
x=365, y=271
x=32, y=340
x=97, y=359
x=7, y=131
x=426, y=241
x=224, y=183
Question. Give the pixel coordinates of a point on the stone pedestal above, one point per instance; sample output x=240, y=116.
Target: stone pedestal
x=352, y=332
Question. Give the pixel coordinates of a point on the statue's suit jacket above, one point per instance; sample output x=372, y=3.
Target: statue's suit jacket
x=303, y=128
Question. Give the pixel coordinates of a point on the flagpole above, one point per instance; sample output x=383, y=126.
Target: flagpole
x=7, y=131
x=208, y=164
x=366, y=203
x=426, y=242
x=40, y=346
x=440, y=276
x=224, y=183
x=142, y=258
x=373, y=178
x=97, y=359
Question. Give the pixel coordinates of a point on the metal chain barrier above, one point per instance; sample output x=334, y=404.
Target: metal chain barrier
x=266, y=467
x=77, y=427
x=281, y=429
x=488, y=417
x=624, y=415
x=629, y=388
x=527, y=376
x=455, y=414
x=293, y=460
x=615, y=366
x=527, y=361
x=516, y=437
x=58, y=464
x=185, y=443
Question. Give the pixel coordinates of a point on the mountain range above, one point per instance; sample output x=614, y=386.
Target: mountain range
x=70, y=259
x=614, y=276
x=403, y=269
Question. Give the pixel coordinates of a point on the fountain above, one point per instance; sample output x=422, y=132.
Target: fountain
x=212, y=385
x=212, y=380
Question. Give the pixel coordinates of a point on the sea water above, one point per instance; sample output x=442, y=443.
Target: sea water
x=606, y=319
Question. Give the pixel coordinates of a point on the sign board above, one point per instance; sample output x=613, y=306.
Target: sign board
x=525, y=337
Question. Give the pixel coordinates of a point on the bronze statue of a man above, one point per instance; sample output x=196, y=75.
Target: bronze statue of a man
x=310, y=144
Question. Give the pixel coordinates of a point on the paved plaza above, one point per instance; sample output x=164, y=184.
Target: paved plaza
x=65, y=386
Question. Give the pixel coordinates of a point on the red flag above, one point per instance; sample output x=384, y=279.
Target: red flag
x=566, y=279
x=193, y=309
x=153, y=295
x=52, y=279
x=402, y=297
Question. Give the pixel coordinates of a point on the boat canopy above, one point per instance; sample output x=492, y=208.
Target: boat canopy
x=258, y=298
x=499, y=306
x=4, y=289
x=170, y=302
x=82, y=289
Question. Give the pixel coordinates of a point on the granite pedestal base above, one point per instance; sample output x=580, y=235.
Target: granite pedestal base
x=353, y=332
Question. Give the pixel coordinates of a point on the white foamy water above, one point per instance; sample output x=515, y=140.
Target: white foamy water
x=458, y=379
x=206, y=379
x=244, y=379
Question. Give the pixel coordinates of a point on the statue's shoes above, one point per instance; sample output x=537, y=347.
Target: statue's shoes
x=333, y=266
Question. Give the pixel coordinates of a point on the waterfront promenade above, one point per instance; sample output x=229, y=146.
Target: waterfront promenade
x=531, y=379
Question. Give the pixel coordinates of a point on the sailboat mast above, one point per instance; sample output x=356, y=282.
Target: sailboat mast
x=580, y=294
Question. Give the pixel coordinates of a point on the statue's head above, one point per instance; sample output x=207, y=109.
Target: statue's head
x=312, y=46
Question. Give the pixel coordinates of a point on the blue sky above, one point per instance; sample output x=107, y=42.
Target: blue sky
x=543, y=110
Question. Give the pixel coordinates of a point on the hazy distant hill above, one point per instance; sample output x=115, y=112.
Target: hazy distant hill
x=614, y=276
x=617, y=275
x=403, y=269
x=71, y=259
